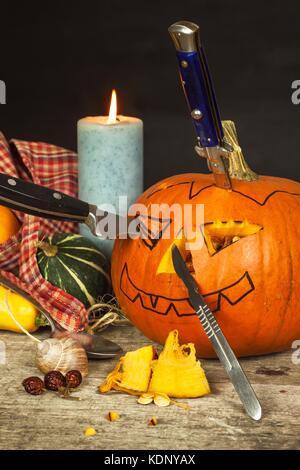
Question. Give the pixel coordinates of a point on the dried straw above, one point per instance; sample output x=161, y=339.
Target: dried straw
x=106, y=312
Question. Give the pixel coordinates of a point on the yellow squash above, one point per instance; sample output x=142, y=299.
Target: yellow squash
x=24, y=312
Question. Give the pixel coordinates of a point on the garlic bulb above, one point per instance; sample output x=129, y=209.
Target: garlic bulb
x=61, y=354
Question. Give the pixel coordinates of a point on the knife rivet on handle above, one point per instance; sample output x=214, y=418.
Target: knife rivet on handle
x=57, y=195
x=12, y=182
x=196, y=114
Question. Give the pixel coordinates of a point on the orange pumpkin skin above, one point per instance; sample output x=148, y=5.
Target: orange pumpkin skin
x=9, y=224
x=253, y=284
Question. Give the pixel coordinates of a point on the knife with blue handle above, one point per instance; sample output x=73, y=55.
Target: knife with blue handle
x=201, y=99
x=217, y=339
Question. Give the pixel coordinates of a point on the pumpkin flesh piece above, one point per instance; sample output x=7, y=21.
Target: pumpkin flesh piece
x=177, y=373
x=132, y=373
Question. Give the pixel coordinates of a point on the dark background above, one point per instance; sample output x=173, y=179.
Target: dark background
x=60, y=61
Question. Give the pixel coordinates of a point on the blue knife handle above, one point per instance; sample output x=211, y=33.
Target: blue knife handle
x=197, y=83
x=198, y=90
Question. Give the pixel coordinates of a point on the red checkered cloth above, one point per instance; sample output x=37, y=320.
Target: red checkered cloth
x=55, y=168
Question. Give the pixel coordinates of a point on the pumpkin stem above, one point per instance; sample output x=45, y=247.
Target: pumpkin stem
x=49, y=250
x=237, y=167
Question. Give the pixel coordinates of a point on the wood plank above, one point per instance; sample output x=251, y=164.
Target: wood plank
x=214, y=421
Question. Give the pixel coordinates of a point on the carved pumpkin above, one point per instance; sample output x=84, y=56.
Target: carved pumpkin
x=248, y=269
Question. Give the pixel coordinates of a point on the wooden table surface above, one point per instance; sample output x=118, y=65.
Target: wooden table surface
x=216, y=421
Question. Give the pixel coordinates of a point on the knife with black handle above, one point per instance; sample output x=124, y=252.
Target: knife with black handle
x=47, y=203
x=200, y=95
x=218, y=340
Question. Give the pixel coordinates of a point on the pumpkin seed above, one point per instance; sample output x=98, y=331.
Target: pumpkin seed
x=152, y=421
x=146, y=398
x=161, y=399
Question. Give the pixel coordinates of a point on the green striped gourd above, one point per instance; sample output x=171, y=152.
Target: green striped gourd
x=74, y=264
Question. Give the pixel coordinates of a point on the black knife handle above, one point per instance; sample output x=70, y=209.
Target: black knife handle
x=40, y=201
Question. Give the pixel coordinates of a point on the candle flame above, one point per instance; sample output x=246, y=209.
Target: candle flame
x=112, y=117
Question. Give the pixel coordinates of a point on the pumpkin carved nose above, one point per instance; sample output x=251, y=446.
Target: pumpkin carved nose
x=166, y=263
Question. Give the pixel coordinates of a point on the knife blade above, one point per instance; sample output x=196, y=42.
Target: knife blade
x=201, y=99
x=47, y=203
x=218, y=340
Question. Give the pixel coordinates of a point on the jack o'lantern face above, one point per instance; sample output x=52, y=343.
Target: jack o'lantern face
x=217, y=235
x=236, y=268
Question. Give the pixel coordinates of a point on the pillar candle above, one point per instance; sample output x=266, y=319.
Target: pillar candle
x=110, y=160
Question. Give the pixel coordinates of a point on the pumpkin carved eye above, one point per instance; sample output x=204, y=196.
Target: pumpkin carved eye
x=218, y=235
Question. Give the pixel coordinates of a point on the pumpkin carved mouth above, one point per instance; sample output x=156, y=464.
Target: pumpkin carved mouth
x=182, y=307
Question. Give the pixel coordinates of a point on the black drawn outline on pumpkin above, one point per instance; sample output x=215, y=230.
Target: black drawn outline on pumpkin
x=154, y=298
x=174, y=185
x=153, y=239
x=193, y=195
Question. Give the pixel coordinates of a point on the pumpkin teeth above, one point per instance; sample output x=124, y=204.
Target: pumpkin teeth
x=150, y=301
x=163, y=305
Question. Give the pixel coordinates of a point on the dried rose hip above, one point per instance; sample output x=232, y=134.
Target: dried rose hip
x=73, y=378
x=33, y=385
x=54, y=380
